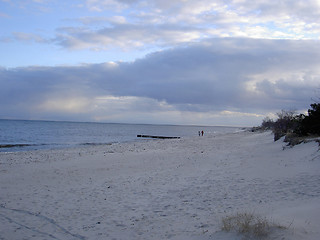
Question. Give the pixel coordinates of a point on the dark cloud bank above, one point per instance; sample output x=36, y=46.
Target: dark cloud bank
x=241, y=75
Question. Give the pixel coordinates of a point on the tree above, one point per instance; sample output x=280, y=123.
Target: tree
x=295, y=125
x=284, y=123
x=267, y=123
x=311, y=124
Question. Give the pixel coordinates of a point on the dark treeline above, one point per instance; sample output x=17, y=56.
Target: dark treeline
x=295, y=125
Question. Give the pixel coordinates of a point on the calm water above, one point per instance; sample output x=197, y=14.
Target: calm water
x=19, y=135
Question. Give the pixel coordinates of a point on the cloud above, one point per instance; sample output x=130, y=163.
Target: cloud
x=102, y=5
x=208, y=81
x=143, y=24
x=101, y=20
x=206, y=69
x=4, y=15
x=31, y=6
x=125, y=36
x=65, y=105
x=132, y=24
x=28, y=37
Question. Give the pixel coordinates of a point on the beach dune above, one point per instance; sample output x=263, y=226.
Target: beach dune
x=161, y=189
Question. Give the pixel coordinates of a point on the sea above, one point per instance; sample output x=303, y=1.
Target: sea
x=27, y=135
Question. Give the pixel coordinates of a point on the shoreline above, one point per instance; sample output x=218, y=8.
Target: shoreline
x=34, y=135
x=160, y=189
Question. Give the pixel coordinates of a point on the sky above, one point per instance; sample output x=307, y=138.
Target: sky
x=195, y=62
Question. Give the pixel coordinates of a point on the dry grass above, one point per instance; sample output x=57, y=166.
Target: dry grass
x=249, y=225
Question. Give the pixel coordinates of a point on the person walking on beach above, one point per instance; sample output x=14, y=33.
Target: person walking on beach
x=199, y=133
x=202, y=132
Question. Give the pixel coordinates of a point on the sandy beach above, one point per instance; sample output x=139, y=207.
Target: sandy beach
x=161, y=189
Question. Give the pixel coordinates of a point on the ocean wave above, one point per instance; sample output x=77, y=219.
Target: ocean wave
x=16, y=145
x=94, y=144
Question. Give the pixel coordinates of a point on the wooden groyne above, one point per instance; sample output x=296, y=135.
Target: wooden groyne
x=160, y=137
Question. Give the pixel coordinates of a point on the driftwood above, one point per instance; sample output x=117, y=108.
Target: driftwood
x=161, y=137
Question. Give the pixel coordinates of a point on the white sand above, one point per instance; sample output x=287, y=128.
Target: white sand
x=160, y=189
